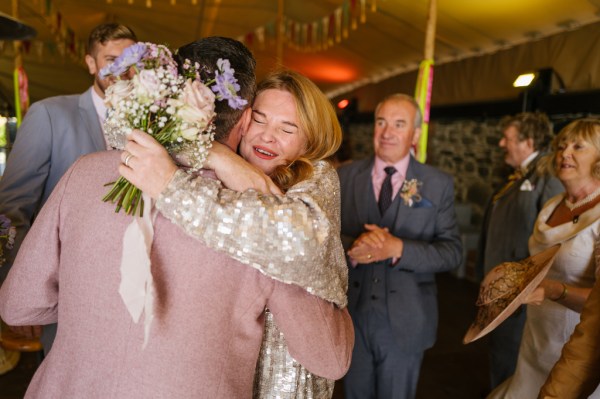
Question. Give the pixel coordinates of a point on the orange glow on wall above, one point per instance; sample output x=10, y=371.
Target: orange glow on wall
x=329, y=73
x=324, y=70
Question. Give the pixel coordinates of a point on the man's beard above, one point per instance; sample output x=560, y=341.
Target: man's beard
x=102, y=84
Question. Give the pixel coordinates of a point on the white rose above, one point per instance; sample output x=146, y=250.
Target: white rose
x=147, y=86
x=190, y=134
x=117, y=92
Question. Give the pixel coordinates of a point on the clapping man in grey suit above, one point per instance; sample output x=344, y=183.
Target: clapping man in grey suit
x=399, y=223
x=509, y=220
x=55, y=132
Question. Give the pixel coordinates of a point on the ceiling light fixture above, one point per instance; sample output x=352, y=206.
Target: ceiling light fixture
x=524, y=80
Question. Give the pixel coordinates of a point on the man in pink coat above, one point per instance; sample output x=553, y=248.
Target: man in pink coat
x=207, y=331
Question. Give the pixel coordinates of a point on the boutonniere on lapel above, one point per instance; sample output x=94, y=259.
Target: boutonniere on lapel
x=409, y=192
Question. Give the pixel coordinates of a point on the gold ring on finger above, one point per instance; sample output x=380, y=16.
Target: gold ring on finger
x=127, y=158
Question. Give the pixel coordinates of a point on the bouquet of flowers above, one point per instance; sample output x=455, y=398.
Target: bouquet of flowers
x=176, y=109
x=7, y=236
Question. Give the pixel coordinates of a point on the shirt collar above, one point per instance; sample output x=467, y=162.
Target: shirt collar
x=99, y=105
x=401, y=166
x=528, y=160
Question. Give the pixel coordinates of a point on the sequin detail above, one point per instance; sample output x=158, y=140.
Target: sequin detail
x=279, y=376
x=294, y=239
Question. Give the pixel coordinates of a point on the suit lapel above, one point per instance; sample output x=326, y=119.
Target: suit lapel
x=404, y=210
x=361, y=195
x=89, y=116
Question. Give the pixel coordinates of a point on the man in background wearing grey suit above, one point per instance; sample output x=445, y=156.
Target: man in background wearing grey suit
x=55, y=132
x=399, y=222
x=509, y=220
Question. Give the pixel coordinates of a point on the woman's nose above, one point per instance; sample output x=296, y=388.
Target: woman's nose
x=567, y=152
x=267, y=135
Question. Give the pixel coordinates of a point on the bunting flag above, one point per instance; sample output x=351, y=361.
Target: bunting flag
x=345, y=19
x=423, y=97
x=373, y=5
x=317, y=35
x=338, y=24
x=260, y=37
x=21, y=93
x=353, y=13
x=363, y=11
x=324, y=32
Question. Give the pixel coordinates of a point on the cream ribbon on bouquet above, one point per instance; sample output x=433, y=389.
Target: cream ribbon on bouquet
x=137, y=285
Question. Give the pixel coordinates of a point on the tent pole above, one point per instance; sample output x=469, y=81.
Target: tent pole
x=280, y=32
x=425, y=81
x=18, y=65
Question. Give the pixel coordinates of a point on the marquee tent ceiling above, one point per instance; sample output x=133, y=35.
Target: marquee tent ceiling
x=388, y=43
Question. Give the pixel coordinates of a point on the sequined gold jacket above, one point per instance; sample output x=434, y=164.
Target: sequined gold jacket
x=294, y=239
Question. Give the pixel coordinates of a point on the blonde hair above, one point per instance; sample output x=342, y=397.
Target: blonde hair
x=588, y=130
x=318, y=123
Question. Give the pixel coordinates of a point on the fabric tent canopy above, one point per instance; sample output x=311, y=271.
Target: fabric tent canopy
x=388, y=43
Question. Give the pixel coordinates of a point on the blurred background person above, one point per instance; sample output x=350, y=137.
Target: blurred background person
x=573, y=220
x=54, y=133
x=508, y=223
x=399, y=224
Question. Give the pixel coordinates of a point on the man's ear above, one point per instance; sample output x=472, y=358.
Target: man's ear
x=245, y=120
x=530, y=144
x=91, y=64
x=416, y=136
x=239, y=130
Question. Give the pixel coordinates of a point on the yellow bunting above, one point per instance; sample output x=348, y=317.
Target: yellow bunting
x=338, y=25
x=319, y=34
x=363, y=11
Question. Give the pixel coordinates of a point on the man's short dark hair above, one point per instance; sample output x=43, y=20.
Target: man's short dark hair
x=530, y=125
x=206, y=52
x=106, y=32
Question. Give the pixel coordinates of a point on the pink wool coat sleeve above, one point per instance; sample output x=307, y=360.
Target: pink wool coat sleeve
x=208, y=328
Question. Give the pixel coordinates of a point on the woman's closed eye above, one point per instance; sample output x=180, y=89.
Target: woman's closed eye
x=258, y=117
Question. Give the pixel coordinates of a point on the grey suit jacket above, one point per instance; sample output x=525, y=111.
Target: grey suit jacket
x=508, y=223
x=54, y=133
x=431, y=244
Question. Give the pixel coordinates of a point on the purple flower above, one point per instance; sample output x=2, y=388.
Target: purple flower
x=4, y=225
x=226, y=85
x=132, y=55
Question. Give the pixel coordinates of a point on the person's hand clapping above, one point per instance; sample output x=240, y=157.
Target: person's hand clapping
x=374, y=245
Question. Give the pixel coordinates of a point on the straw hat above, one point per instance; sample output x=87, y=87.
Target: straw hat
x=505, y=288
